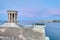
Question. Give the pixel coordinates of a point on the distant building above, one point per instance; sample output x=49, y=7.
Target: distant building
x=13, y=31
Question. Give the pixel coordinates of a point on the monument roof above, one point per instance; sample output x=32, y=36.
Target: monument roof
x=12, y=11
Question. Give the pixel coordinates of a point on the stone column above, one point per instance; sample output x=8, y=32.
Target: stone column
x=14, y=17
x=11, y=18
x=8, y=17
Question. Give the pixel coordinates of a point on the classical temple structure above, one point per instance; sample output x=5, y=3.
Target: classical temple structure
x=11, y=30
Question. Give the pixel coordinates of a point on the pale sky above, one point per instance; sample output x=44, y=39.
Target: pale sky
x=31, y=9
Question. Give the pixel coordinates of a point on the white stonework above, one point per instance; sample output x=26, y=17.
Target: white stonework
x=21, y=37
x=12, y=31
x=39, y=28
x=12, y=16
x=10, y=25
x=46, y=38
x=6, y=38
x=12, y=19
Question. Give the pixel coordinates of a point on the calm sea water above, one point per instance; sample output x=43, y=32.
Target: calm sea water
x=52, y=30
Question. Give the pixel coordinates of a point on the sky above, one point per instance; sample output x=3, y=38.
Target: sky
x=31, y=9
x=34, y=10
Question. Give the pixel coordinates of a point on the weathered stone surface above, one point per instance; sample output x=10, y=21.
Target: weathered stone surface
x=28, y=33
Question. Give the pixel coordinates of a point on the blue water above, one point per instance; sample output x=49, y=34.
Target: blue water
x=53, y=30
